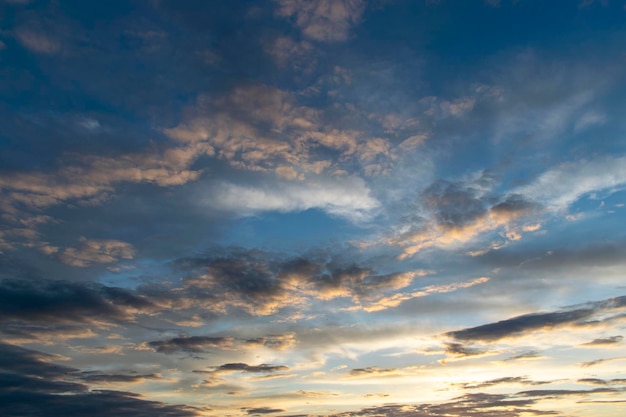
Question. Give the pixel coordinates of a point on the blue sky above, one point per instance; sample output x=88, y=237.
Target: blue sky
x=312, y=208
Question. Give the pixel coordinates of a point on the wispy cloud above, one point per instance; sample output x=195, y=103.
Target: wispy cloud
x=562, y=186
x=346, y=197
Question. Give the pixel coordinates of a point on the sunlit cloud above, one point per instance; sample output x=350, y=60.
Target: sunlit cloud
x=323, y=20
x=103, y=251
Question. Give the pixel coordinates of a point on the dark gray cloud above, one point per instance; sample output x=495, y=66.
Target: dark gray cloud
x=97, y=377
x=520, y=325
x=191, y=344
x=262, y=410
x=605, y=341
x=371, y=370
x=513, y=205
x=454, y=204
x=195, y=344
x=261, y=283
x=244, y=367
x=551, y=393
x=214, y=379
x=464, y=211
x=33, y=386
x=500, y=381
x=277, y=342
x=58, y=302
x=461, y=203
x=526, y=355
x=30, y=363
x=595, y=362
x=475, y=405
x=580, y=315
x=252, y=281
x=601, y=360
x=597, y=381
x=459, y=349
x=35, y=331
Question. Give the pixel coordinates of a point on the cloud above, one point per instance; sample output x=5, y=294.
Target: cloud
x=191, y=344
x=599, y=361
x=37, y=42
x=551, y=393
x=195, y=344
x=450, y=213
x=589, y=119
x=372, y=371
x=345, y=197
x=98, y=377
x=97, y=251
x=243, y=367
x=476, y=405
x=499, y=381
x=30, y=384
x=276, y=342
x=604, y=341
x=260, y=128
x=269, y=372
x=461, y=350
x=525, y=355
x=323, y=20
x=262, y=410
x=565, y=184
x=591, y=255
x=262, y=283
x=89, y=179
x=382, y=303
x=57, y=302
x=18, y=332
x=287, y=52
x=597, y=381
x=520, y=325
x=316, y=394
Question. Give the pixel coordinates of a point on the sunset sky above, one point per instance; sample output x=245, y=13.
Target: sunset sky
x=406, y=208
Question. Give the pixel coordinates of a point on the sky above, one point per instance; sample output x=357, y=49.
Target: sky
x=346, y=208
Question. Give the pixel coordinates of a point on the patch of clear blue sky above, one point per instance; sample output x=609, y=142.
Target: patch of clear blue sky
x=291, y=232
